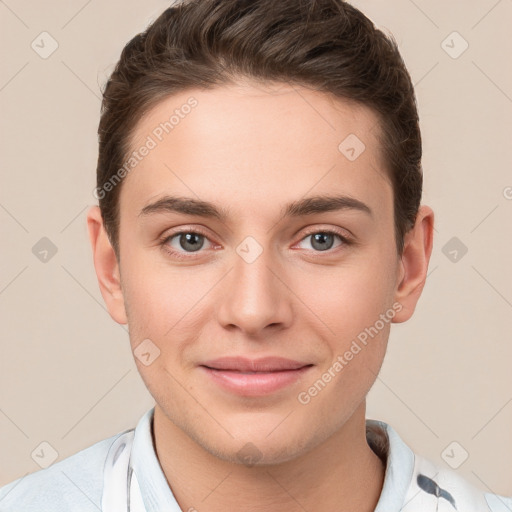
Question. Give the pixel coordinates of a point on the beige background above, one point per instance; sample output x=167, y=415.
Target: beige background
x=66, y=373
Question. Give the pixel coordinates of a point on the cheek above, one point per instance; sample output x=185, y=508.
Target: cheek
x=167, y=306
x=160, y=296
x=350, y=298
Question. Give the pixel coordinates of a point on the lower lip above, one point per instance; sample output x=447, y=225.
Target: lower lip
x=255, y=384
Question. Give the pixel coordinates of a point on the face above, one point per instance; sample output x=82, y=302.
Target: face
x=293, y=257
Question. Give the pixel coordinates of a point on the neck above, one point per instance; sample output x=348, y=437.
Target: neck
x=341, y=474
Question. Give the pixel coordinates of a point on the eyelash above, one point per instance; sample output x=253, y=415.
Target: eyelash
x=181, y=255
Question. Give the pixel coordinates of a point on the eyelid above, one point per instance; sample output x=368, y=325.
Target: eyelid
x=342, y=233
x=345, y=239
x=184, y=229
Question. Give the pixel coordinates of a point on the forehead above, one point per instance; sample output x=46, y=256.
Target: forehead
x=274, y=139
x=252, y=110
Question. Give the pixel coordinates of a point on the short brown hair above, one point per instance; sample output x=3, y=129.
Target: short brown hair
x=327, y=45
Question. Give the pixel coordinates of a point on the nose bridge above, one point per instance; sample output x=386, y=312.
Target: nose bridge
x=254, y=297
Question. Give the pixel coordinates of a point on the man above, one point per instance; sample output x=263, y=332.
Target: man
x=259, y=229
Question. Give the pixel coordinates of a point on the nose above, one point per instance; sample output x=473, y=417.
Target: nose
x=254, y=297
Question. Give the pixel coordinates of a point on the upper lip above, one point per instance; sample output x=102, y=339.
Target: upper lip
x=263, y=364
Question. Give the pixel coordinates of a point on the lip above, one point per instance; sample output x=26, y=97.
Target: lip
x=262, y=364
x=254, y=377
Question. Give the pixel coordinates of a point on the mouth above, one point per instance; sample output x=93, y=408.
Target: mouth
x=249, y=373
x=256, y=377
x=246, y=365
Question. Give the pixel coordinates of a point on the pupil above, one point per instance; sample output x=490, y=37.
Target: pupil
x=322, y=237
x=191, y=239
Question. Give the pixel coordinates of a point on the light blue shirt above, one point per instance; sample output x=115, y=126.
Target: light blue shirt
x=76, y=484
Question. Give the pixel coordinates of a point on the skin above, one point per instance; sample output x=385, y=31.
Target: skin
x=252, y=149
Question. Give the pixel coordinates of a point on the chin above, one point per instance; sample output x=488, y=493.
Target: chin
x=256, y=454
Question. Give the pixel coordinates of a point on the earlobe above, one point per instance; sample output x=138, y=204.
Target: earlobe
x=106, y=265
x=414, y=263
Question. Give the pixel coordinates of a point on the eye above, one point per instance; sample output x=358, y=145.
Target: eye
x=182, y=242
x=324, y=240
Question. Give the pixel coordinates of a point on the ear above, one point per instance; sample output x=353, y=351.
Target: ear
x=413, y=264
x=106, y=265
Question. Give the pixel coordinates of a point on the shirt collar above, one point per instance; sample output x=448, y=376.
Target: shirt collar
x=155, y=490
x=381, y=437
x=399, y=464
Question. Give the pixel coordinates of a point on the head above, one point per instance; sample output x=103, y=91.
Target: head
x=259, y=183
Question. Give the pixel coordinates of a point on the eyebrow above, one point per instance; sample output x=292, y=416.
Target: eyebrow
x=302, y=207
